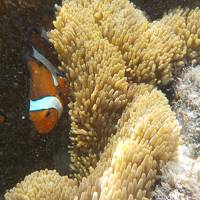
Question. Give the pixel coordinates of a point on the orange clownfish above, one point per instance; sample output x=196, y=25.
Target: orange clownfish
x=2, y=119
x=48, y=88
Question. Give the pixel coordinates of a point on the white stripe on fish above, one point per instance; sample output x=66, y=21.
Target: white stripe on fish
x=47, y=64
x=44, y=103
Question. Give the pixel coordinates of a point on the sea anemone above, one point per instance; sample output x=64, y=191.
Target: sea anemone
x=122, y=131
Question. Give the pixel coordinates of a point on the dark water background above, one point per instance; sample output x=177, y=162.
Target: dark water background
x=22, y=150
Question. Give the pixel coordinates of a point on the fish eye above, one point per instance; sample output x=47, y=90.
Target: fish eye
x=43, y=39
x=47, y=113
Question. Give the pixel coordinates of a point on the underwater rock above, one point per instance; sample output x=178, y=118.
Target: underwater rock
x=180, y=179
x=187, y=108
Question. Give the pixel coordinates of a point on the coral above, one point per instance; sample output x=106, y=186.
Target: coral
x=150, y=50
x=185, y=23
x=193, y=75
x=128, y=166
x=180, y=179
x=147, y=136
x=96, y=73
x=44, y=184
x=156, y=54
x=187, y=107
x=93, y=54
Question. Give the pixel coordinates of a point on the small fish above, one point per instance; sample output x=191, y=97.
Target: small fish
x=2, y=119
x=48, y=87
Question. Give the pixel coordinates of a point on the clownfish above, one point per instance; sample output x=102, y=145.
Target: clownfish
x=2, y=119
x=48, y=87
